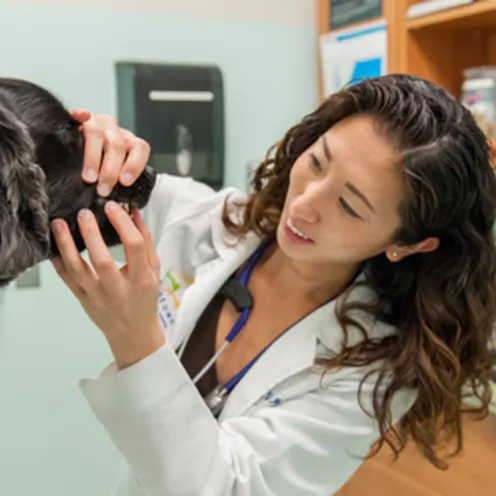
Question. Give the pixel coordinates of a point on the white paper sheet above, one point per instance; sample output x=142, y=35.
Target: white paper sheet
x=352, y=54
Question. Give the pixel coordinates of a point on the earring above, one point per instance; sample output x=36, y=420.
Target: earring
x=395, y=254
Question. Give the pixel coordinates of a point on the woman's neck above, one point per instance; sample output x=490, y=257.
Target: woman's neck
x=316, y=281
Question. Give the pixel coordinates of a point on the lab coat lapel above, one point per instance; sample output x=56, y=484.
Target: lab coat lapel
x=293, y=352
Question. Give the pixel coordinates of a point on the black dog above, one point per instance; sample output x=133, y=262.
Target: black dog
x=41, y=159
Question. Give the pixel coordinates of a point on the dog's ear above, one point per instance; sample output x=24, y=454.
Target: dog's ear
x=24, y=222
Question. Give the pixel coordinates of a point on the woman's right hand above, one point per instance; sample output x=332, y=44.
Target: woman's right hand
x=111, y=154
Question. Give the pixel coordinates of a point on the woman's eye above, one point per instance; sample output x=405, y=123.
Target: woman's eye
x=349, y=211
x=314, y=161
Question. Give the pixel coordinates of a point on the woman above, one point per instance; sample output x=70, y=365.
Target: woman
x=367, y=251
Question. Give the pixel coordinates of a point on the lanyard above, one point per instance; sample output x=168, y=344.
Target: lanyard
x=241, y=279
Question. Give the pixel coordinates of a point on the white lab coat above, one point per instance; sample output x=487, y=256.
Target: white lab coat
x=282, y=432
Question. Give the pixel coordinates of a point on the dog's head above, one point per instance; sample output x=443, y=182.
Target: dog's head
x=41, y=158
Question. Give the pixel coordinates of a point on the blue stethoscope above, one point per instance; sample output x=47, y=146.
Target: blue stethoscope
x=218, y=396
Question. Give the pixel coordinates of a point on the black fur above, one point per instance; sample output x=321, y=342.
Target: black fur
x=41, y=159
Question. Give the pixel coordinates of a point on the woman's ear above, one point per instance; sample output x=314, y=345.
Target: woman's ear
x=397, y=252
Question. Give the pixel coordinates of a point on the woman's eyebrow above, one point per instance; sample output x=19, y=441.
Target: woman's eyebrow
x=325, y=146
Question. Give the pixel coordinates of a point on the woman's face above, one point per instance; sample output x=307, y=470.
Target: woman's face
x=343, y=198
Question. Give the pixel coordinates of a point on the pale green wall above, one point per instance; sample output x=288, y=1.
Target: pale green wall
x=49, y=442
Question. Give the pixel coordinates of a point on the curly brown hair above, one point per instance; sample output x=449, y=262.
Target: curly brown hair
x=442, y=303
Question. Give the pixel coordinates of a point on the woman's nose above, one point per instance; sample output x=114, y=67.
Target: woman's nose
x=306, y=208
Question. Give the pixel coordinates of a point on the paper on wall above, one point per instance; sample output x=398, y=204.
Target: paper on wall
x=353, y=54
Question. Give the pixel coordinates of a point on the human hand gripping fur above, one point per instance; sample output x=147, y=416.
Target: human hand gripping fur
x=53, y=163
x=121, y=302
x=124, y=154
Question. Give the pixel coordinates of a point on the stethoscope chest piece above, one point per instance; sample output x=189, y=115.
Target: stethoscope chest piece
x=216, y=399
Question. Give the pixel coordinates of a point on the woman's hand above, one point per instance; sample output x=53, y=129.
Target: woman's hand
x=111, y=154
x=121, y=302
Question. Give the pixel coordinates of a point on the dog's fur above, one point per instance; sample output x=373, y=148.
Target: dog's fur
x=41, y=158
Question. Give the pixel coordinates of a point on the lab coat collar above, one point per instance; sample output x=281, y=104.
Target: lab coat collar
x=226, y=244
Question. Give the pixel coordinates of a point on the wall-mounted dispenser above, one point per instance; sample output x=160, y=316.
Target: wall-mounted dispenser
x=179, y=110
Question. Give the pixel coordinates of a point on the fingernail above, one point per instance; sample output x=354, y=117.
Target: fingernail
x=127, y=178
x=57, y=225
x=103, y=189
x=90, y=176
x=84, y=214
x=111, y=206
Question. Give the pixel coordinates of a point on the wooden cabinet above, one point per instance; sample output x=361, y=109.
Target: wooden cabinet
x=472, y=473
x=438, y=46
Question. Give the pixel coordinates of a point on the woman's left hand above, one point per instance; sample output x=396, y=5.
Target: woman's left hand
x=121, y=302
x=111, y=154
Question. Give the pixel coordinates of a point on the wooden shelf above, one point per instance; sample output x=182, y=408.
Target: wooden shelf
x=481, y=14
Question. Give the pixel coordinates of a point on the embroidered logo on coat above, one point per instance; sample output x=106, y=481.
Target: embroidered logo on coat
x=172, y=288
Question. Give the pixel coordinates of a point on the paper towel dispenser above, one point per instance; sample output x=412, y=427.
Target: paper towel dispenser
x=179, y=110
